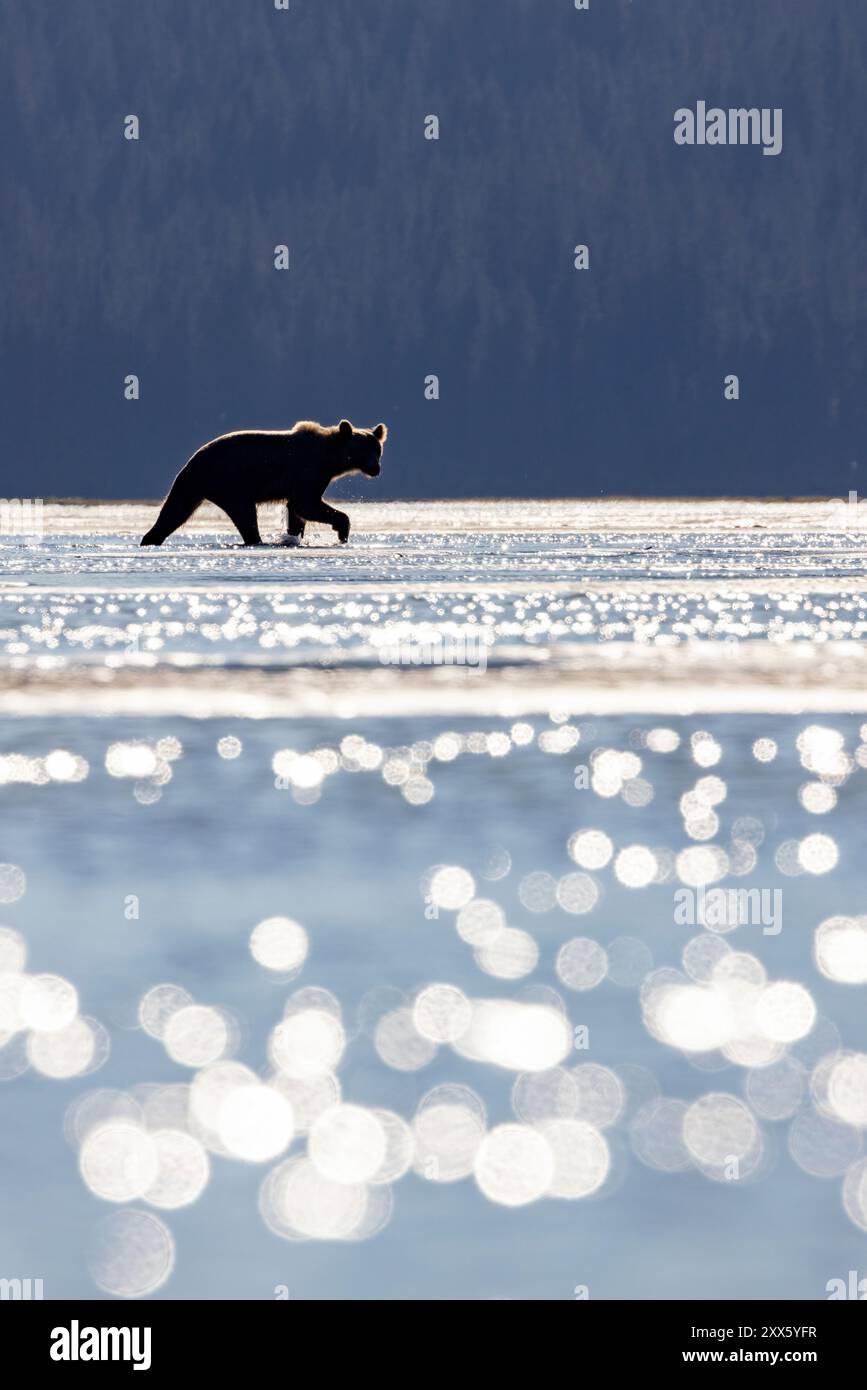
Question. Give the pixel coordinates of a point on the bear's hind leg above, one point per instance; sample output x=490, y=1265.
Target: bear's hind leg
x=243, y=515
x=182, y=501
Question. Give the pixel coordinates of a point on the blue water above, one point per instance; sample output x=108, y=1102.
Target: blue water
x=219, y=847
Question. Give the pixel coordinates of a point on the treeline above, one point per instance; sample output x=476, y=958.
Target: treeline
x=452, y=258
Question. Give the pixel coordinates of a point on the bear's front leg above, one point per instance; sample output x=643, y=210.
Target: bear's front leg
x=320, y=511
x=294, y=523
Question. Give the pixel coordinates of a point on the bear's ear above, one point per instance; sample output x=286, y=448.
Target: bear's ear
x=381, y=433
x=344, y=429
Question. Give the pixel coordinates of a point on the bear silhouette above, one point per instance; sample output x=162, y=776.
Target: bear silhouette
x=239, y=470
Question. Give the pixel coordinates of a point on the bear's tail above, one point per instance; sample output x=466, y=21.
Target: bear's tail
x=183, y=499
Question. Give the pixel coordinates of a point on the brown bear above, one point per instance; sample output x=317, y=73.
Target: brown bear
x=293, y=466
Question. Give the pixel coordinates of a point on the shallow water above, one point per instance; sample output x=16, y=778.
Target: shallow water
x=307, y=734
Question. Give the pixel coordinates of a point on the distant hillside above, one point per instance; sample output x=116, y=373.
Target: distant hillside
x=411, y=257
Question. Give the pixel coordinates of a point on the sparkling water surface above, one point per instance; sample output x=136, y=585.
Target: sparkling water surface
x=363, y=934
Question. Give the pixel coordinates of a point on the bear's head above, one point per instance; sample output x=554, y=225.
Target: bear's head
x=361, y=449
